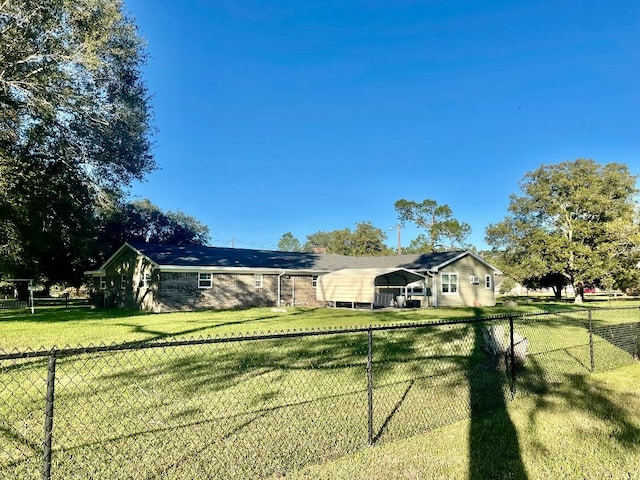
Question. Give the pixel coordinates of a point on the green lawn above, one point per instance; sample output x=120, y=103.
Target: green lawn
x=262, y=409
x=586, y=428
x=56, y=326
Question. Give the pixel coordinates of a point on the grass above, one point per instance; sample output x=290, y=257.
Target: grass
x=57, y=326
x=585, y=428
x=265, y=409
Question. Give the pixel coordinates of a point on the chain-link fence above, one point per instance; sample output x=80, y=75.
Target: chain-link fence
x=263, y=405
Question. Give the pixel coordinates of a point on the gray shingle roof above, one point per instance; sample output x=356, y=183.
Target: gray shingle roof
x=201, y=256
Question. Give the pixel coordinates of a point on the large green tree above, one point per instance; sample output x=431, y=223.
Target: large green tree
x=365, y=240
x=572, y=223
x=75, y=126
x=142, y=221
x=289, y=243
x=442, y=228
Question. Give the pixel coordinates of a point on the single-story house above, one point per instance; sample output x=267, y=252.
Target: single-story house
x=169, y=278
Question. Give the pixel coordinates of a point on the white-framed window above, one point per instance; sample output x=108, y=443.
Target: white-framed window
x=205, y=280
x=449, y=283
x=314, y=281
x=123, y=281
x=258, y=280
x=146, y=280
x=103, y=283
x=487, y=281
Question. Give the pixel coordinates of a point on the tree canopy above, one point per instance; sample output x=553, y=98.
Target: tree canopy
x=75, y=126
x=572, y=223
x=366, y=240
x=439, y=222
x=142, y=221
x=289, y=243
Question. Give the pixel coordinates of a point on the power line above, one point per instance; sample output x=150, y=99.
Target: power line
x=234, y=242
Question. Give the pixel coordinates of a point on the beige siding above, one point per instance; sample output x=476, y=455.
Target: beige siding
x=345, y=288
x=376, y=286
x=468, y=294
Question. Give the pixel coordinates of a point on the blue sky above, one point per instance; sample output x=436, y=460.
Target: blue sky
x=304, y=116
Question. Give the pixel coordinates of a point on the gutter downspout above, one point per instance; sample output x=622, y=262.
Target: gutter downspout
x=434, y=290
x=424, y=289
x=279, y=286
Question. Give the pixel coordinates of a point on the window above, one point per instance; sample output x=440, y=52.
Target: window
x=145, y=280
x=103, y=283
x=449, y=283
x=487, y=281
x=314, y=281
x=258, y=280
x=123, y=281
x=204, y=280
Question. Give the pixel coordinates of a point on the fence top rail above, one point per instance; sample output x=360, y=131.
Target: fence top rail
x=177, y=342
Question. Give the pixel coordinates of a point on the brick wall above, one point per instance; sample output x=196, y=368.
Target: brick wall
x=179, y=291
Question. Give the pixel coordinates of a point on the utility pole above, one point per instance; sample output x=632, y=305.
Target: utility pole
x=398, y=227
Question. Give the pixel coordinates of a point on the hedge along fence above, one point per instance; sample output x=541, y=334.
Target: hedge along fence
x=262, y=405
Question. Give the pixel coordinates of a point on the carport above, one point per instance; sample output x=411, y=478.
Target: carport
x=377, y=287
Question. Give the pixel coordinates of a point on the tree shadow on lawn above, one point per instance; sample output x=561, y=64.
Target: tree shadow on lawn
x=494, y=449
x=320, y=380
x=493, y=439
x=153, y=335
x=398, y=356
x=216, y=367
x=72, y=314
x=558, y=355
x=596, y=399
x=278, y=373
x=587, y=395
x=18, y=439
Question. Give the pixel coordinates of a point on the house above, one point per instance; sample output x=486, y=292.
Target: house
x=169, y=278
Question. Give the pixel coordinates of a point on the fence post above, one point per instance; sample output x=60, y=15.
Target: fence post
x=593, y=362
x=512, y=357
x=370, y=386
x=48, y=419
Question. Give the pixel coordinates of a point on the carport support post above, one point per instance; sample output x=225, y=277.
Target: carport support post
x=370, y=386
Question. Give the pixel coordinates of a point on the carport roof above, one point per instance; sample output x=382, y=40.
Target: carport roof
x=394, y=277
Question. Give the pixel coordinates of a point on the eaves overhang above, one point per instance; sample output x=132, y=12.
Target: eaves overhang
x=436, y=269
x=95, y=273
x=239, y=270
